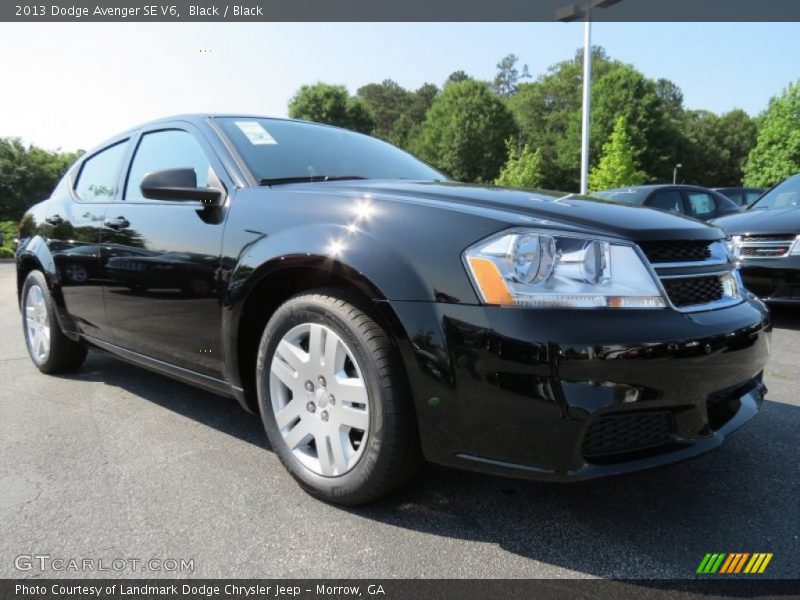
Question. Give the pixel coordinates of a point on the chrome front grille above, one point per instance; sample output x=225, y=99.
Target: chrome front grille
x=763, y=246
x=695, y=275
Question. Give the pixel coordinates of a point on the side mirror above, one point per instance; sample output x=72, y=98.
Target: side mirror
x=178, y=185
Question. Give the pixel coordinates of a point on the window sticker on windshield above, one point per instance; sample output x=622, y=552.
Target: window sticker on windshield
x=255, y=132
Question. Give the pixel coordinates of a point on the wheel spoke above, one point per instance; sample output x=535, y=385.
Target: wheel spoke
x=288, y=377
x=324, y=454
x=334, y=349
x=338, y=441
x=289, y=413
x=351, y=389
x=316, y=340
x=299, y=434
x=355, y=418
x=292, y=355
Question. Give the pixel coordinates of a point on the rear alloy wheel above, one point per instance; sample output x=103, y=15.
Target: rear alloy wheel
x=333, y=399
x=50, y=350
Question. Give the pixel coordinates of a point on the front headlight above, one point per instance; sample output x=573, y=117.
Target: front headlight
x=548, y=270
x=796, y=248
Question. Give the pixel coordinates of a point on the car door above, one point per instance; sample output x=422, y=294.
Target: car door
x=76, y=215
x=162, y=290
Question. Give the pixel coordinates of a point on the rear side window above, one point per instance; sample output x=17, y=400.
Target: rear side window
x=670, y=201
x=702, y=205
x=98, y=177
x=168, y=149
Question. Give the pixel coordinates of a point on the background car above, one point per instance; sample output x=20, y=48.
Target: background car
x=691, y=200
x=765, y=239
x=743, y=196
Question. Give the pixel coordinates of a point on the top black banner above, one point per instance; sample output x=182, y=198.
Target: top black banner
x=399, y=10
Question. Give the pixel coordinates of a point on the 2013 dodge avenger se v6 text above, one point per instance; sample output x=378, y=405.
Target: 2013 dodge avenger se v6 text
x=375, y=313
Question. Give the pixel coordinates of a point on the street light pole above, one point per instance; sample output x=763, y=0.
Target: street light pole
x=572, y=12
x=587, y=98
x=675, y=173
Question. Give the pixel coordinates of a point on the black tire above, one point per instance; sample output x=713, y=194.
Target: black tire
x=63, y=354
x=391, y=455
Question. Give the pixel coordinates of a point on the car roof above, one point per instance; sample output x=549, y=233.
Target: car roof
x=196, y=119
x=657, y=186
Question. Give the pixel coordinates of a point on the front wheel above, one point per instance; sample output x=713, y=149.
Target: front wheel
x=333, y=399
x=50, y=350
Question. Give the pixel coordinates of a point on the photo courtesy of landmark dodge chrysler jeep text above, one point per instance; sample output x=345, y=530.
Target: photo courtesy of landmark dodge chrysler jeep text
x=376, y=314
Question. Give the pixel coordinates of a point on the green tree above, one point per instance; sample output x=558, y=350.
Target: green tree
x=331, y=104
x=548, y=111
x=507, y=79
x=618, y=166
x=27, y=175
x=776, y=154
x=387, y=101
x=523, y=167
x=715, y=148
x=457, y=77
x=465, y=131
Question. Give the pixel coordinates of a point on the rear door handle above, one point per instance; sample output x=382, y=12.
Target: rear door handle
x=54, y=220
x=118, y=223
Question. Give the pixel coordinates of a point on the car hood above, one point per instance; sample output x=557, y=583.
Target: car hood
x=776, y=220
x=534, y=208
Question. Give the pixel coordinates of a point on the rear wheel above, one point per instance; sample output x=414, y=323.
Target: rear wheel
x=334, y=401
x=50, y=350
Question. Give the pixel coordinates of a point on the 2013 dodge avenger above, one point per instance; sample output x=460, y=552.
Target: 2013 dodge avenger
x=375, y=313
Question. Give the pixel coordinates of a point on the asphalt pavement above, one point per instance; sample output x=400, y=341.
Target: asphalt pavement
x=116, y=462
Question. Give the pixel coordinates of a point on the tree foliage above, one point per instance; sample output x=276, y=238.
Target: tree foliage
x=618, y=166
x=715, y=148
x=27, y=175
x=465, y=131
x=508, y=76
x=523, y=167
x=331, y=104
x=776, y=154
x=398, y=112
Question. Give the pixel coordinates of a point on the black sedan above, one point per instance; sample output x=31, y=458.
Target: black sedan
x=374, y=313
x=690, y=200
x=766, y=242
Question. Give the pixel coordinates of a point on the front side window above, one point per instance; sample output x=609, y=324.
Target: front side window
x=670, y=201
x=783, y=195
x=275, y=150
x=97, y=179
x=168, y=149
x=702, y=205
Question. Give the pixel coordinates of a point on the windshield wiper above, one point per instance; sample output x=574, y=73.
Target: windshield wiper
x=307, y=179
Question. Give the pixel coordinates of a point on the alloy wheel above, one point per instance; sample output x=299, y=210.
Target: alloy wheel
x=37, y=323
x=319, y=399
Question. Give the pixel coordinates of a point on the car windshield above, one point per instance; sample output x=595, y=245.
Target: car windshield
x=281, y=151
x=626, y=195
x=783, y=195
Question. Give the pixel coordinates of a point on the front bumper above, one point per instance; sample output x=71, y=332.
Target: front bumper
x=773, y=279
x=574, y=394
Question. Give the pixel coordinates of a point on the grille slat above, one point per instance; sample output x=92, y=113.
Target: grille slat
x=620, y=433
x=691, y=291
x=777, y=237
x=768, y=251
x=676, y=251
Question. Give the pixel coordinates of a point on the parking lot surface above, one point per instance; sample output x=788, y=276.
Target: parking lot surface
x=118, y=462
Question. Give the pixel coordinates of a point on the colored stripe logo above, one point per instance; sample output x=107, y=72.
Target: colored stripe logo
x=735, y=562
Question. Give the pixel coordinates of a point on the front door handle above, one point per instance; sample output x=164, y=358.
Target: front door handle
x=117, y=224
x=54, y=220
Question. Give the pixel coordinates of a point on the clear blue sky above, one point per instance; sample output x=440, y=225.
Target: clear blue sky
x=73, y=85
